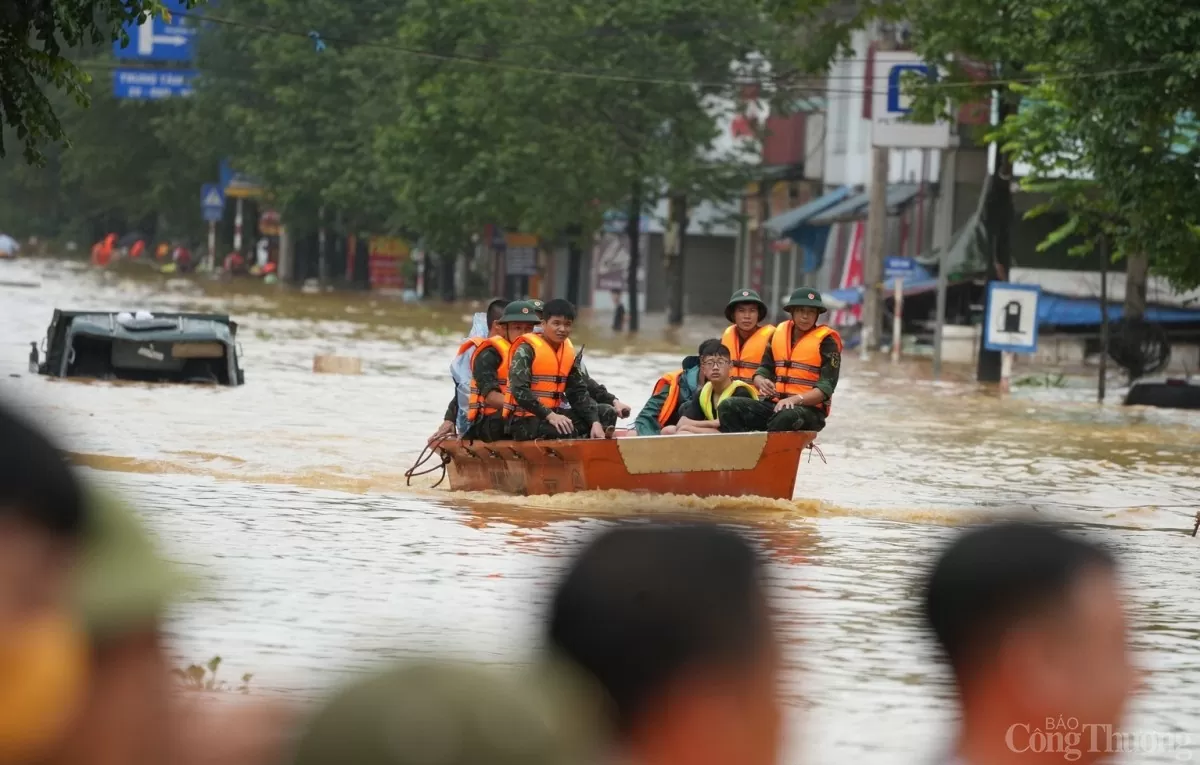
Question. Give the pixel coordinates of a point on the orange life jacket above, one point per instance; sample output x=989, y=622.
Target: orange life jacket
x=669, y=381
x=477, y=403
x=798, y=367
x=548, y=377
x=746, y=358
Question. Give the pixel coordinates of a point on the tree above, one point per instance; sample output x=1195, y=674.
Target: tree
x=34, y=41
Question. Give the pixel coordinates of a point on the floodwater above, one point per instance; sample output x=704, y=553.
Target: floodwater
x=287, y=497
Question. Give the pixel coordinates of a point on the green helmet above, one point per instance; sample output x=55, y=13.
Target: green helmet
x=805, y=297
x=519, y=310
x=746, y=296
x=537, y=306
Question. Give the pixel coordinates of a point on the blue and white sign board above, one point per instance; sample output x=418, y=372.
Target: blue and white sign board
x=151, y=84
x=890, y=105
x=1011, y=321
x=238, y=185
x=895, y=267
x=212, y=202
x=157, y=39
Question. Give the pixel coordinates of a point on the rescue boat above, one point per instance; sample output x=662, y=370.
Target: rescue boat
x=708, y=465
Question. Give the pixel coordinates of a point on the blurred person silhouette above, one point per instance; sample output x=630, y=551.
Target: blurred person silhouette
x=132, y=713
x=674, y=622
x=430, y=712
x=1031, y=622
x=43, y=649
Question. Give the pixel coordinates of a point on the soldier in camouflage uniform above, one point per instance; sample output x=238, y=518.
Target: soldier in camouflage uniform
x=518, y=319
x=584, y=412
x=598, y=392
x=740, y=415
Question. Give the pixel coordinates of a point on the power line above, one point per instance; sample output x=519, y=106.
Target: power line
x=638, y=79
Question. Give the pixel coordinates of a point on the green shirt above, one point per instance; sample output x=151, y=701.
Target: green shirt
x=520, y=372
x=831, y=361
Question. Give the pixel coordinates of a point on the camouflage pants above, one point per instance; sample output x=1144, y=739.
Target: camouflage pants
x=488, y=429
x=742, y=415
x=529, y=428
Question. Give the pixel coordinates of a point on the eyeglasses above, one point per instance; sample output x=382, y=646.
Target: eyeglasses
x=714, y=363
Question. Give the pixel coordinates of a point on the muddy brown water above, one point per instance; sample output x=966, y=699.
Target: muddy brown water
x=287, y=498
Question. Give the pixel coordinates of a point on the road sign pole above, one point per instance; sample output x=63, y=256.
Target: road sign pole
x=237, y=227
x=212, y=245
x=898, y=308
x=1006, y=362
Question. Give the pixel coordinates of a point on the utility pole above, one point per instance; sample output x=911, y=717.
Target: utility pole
x=943, y=231
x=872, y=314
x=999, y=215
x=322, y=261
x=1102, y=380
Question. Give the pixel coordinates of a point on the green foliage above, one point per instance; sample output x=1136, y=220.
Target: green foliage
x=35, y=38
x=1107, y=93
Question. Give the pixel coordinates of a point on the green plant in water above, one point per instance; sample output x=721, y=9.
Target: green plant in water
x=1041, y=381
x=203, y=677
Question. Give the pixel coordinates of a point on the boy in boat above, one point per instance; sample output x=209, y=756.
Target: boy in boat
x=699, y=414
x=745, y=338
x=797, y=376
x=597, y=391
x=489, y=373
x=665, y=404
x=495, y=310
x=544, y=371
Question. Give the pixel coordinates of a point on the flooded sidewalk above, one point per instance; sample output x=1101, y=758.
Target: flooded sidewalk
x=288, y=496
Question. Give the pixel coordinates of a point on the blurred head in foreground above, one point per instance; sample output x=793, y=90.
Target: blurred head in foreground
x=434, y=713
x=122, y=590
x=674, y=623
x=42, y=646
x=1032, y=625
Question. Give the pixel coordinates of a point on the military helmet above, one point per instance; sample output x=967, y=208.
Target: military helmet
x=519, y=310
x=746, y=296
x=805, y=297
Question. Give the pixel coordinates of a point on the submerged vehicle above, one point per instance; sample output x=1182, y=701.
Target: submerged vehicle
x=1166, y=393
x=719, y=464
x=159, y=347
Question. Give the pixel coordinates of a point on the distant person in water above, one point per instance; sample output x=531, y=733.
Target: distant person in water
x=699, y=415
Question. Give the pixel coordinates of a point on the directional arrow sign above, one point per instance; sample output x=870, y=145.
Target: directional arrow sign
x=158, y=40
x=212, y=202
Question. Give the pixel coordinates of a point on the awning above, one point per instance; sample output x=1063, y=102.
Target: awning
x=1072, y=312
x=852, y=296
x=855, y=208
x=787, y=223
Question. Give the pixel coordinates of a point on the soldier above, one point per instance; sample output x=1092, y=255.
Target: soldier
x=797, y=376
x=745, y=339
x=489, y=373
x=544, y=371
x=431, y=712
x=450, y=420
x=597, y=391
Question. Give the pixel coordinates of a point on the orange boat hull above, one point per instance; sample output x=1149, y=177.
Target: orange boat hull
x=725, y=464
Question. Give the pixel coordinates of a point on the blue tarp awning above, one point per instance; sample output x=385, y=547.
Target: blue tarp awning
x=855, y=208
x=915, y=285
x=1076, y=312
x=788, y=223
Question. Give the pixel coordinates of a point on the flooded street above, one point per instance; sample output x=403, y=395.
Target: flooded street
x=287, y=496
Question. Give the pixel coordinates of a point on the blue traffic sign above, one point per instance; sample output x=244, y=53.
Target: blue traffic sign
x=1011, y=319
x=236, y=184
x=897, y=267
x=151, y=84
x=212, y=202
x=160, y=39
